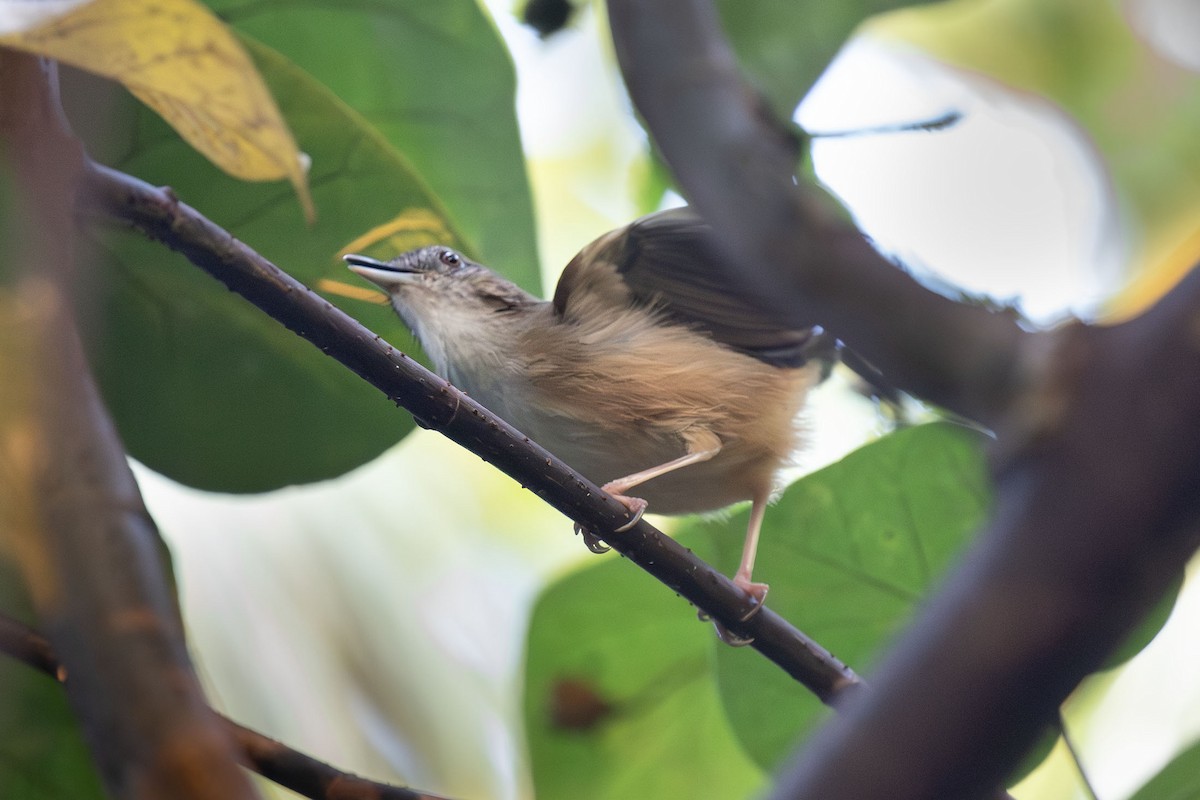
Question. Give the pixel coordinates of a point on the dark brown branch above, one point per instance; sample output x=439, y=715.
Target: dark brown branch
x=273, y=760
x=1094, y=521
x=87, y=547
x=438, y=405
x=736, y=168
x=26, y=645
x=1097, y=463
x=309, y=777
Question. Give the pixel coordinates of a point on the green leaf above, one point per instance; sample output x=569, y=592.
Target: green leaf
x=1179, y=780
x=1148, y=628
x=849, y=551
x=434, y=77
x=785, y=46
x=204, y=387
x=620, y=695
x=42, y=753
x=207, y=390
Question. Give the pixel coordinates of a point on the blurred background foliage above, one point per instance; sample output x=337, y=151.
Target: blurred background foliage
x=397, y=607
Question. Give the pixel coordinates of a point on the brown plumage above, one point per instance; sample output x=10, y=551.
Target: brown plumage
x=649, y=368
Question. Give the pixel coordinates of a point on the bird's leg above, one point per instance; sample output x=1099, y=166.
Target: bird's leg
x=636, y=505
x=702, y=444
x=741, y=578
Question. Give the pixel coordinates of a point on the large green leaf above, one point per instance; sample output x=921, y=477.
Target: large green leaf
x=786, y=45
x=849, y=552
x=435, y=79
x=620, y=695
x=1179, y=780
x=204, y=387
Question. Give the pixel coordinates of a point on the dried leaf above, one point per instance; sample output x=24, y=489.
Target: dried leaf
x=181, y=60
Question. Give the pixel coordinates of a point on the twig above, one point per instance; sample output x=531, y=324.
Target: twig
x=438, y=405
x=273, y=760
x=87, y=547
x=1097, y=463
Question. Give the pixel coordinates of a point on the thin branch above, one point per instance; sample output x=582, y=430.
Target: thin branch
x=88, y=549
x=436, y=404
x=26, y=645
x=273, y=760
x=308, y=776
x=736, y=165
x=1097, y=462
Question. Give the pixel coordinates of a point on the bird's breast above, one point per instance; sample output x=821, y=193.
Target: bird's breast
x=616, y=401
x=601, y=449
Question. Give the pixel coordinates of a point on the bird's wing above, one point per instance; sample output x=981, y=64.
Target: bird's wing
x=667, y=261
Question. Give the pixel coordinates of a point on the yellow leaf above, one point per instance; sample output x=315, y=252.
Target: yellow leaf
x=179, y=59
x=330, y=286
x=408, y=230
x=1174, y=254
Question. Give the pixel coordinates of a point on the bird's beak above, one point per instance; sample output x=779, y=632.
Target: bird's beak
x=380, y=273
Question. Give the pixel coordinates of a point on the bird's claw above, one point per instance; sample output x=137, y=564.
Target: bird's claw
x=758, y=592
x=591, y=540
x=730, y=638
x=637, y=507
x=724, y=634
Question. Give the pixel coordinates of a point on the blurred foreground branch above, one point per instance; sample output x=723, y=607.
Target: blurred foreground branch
x=273, y=760
x=1097, y=461
x=69, y=506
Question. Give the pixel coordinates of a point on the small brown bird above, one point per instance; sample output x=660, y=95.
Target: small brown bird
x=648, y=369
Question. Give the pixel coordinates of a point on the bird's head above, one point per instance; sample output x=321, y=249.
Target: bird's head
x=431, y=267
x=446, y=299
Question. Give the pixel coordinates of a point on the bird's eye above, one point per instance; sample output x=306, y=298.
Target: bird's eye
x=450, y=258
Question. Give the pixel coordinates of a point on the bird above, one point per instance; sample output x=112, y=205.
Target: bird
x=649, y=369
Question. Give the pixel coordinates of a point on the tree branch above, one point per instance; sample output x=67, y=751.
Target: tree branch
x=1097, y=462
x=86, y=545
x=436, y=404
x=1094, y=520
x=273, y=760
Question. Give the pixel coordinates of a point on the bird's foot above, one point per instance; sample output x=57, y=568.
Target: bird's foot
x=636, y=506
x=758, y=591
x=591, y=540
x=730, y=638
